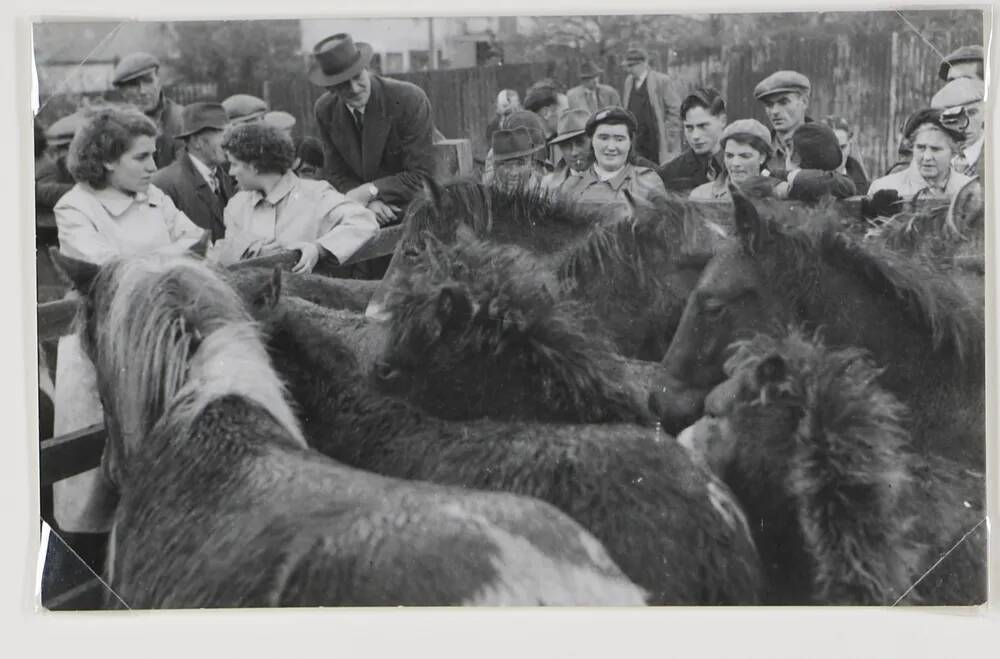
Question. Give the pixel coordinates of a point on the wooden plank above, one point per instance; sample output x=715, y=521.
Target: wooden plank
x=71, y=454
x=382, y=244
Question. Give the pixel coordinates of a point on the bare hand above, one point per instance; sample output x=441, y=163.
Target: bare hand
x=384, y=213
x=310, y=256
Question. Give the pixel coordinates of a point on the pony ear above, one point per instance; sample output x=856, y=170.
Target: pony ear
x=76, y=273
x=200, y=248
x=453, y=307
x=749, y=225
x=770, y=370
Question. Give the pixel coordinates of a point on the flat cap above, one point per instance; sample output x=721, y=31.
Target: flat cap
x=960, y=91
x=134, y=65
x=817, y=147
x=782, y=81
x=62, y=130
x=280, y=119
x=963, y=54
x=746, y=127
x=611, y=115
x=244, y=107
x=636, y=55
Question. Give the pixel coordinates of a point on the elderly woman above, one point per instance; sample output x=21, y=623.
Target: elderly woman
x=611, y=181
x=930, y=174
x=746, y=147
x=113, y=210
x=276, y=210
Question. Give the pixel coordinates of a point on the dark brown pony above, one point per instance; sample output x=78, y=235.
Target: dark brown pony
x=914, y=320
x=843, y=511
x=670, y=525
x=223, y=504
x=634, y=274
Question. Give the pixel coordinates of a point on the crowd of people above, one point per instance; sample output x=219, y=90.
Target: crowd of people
x=795, y=157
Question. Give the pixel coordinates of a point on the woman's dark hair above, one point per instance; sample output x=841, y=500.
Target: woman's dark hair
x=103, y=138
x=262, y=145
x=704, y=97
x=310, y=152
x=750, y=140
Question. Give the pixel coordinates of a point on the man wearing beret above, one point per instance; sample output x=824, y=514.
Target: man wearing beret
x=653, y=100
x=377, y=132
x=590, y=94
x=961, y=106
x=785, y=97
x=966, y=62
x=137, y=77
x=195, y=181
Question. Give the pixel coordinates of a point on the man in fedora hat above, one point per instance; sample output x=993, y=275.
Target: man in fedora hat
x=574, y=146
x=377, y=132
x=590, y=94
x=195, y=181
x=653, y=99
x=513, y=158
x=137, y=78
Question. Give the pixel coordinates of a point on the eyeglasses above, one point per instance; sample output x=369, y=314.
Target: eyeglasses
x=956, y=118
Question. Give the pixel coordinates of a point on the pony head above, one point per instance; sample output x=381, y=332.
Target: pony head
x=810, y=441
x=480, y=329
x=166, y=331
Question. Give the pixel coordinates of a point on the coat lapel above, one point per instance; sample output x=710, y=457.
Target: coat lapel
x=376, y=132
x=344, y=136
x=202, y=189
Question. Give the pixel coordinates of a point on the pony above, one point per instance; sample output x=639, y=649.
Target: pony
x=479, y=329
x=223, y=504
x=348, y=294
x=672, y=527
x=914, y=321
x=843, y=511
x=633, y=273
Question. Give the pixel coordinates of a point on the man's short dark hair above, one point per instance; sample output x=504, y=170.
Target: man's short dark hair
x=540, y=97
x=704, y=97
x=262, y=145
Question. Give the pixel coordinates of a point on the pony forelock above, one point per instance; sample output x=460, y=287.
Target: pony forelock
x=169, y=322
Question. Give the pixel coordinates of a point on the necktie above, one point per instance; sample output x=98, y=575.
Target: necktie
x=359, y=120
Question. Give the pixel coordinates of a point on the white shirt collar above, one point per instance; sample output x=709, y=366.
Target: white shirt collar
x=641, y=79
x=203, y=169
x=973, y=150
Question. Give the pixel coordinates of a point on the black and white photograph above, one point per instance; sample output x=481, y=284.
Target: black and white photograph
x=594, y=310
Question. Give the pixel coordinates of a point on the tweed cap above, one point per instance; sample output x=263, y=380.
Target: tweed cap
x=132, y=66
x=611, y=115
x=782, y=81
x=746, y=127
x=62, y=130
x=963, y=54
x=244, y=107
x=280, y=119
x=960, y=91
x=817, y=147
x=571, y=124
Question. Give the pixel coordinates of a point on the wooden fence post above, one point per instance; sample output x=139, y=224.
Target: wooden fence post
x=452, y=158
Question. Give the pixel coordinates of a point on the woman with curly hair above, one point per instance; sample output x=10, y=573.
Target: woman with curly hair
x=113, y=210
x=276, y=210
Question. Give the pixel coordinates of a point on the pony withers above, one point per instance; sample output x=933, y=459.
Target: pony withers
x=842, y=509
x=916, y=322
x=672, y=527
x=223, y=505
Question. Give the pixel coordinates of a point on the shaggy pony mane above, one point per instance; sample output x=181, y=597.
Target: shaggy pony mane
x=514, y=314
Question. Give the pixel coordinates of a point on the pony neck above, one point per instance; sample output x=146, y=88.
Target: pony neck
x=232, y=361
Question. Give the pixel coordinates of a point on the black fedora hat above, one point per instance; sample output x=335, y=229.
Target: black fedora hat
x=200, y=116
x=337, y=59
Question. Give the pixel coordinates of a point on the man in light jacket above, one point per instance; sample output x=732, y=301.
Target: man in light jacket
x=653, y=98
